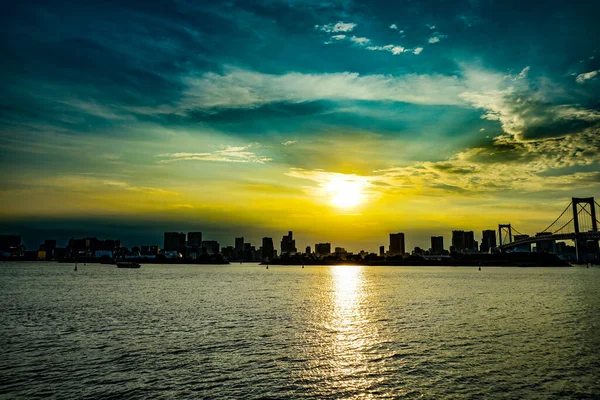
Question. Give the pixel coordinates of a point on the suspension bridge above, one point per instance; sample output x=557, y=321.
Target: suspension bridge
x=578, y=222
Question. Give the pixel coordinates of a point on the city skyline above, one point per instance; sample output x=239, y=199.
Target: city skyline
x=337, y=120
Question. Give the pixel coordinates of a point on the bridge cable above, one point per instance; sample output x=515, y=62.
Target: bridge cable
x=564, y=211
x=559, y=229
x=515, y=230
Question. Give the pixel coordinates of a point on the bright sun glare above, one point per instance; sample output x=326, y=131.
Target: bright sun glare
x=345, y=193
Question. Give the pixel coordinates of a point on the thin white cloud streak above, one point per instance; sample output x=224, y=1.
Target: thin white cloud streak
x=244, y=88
x=337, y=27
x=581, y=78
x=232, y=154
x=395, y=50
x=361, y=41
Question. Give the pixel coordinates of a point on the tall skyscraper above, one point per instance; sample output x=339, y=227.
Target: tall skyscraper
x=174, y=241
x=323, y=249
x=307, y=250
x=464, y=242
x=437, y=245
x=239, y=243
x=267, y=248
x=381, y=251
x=194, y=239
x=397, y=246
x=211, y=247
x=488, y=240
x=288, y=244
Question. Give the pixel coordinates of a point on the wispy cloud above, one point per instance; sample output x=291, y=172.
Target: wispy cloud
x=337, y=27
x=361, y=41
x=436, y=38
x=289, y=142
x=233, y=154
x=417, y=50
x=394, y=27
x=395, y=50
x=581, y=78
x=244, y=88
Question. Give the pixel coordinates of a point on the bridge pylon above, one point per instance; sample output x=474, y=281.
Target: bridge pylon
x=504, y=228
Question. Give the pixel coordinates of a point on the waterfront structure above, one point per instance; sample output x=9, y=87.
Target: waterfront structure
x=524, y=247
x=323, y=249
x=397, y=245
x=174, y=241
x=488, y=240
x=307, y=250
x=464, y=242
x=437, y=245
x=381, y=251
x=210, y=247
x=267, y=249
x=239, y=243
x=194, y=239
x=288, y=244
x=545, y=246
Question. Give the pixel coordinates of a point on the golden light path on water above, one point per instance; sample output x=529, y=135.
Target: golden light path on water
x=347, y=337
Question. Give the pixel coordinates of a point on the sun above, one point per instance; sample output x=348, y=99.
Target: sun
x=345, y=192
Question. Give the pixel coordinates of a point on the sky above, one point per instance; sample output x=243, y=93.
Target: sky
x=340, y=120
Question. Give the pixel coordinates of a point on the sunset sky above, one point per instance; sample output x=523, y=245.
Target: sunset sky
x=340, y=120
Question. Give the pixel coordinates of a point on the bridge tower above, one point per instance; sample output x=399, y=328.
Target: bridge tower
x=504, y=228
x=588, y=205
x=592, y=211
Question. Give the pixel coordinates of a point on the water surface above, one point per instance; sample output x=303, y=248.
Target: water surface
x=187, y=331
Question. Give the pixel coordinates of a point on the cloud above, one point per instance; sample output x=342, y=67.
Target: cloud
x=520, y=75
x=337, y=27
x=395, y=50
x=233, y=154
x=417, y=50
x=432, y=27
x=394, y=27
x=243, y=88
x=436, y=38
x=581, y=78
x=338, y=37
x=289, y=142
x=361, y=41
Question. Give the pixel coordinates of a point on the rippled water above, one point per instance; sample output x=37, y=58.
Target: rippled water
x=320, y=332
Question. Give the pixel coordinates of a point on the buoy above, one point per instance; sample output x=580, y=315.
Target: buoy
x=267, y=266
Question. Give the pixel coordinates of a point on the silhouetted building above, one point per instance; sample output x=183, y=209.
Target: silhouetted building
x=397, y=246
x=526, y=247
x=267, y=248
x=545, y=246
x=288, y=244
x=323, y=249
x=228, y=252
x=418, y=251
x=174, y=241
x=307, y=250
x=382, y=251
x=210, y=247
x=239, y=243
x=92, y=247
x=9, y=244
x=194, y=239
x=437, y=245
x=464, y=242
x=48, y=247
x=488, y=240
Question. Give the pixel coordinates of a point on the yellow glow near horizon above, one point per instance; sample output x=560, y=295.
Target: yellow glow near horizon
x=345, y=193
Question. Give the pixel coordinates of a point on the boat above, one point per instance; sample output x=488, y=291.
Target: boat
x=128, y=264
